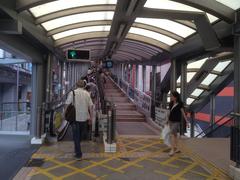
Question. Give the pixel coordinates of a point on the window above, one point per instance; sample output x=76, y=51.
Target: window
x=209, y=79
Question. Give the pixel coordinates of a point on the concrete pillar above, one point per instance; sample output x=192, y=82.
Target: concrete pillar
x=38, y=96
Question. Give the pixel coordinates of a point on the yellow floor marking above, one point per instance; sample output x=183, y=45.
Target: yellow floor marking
x=170, y=165
x=215, y=171
x=199, y=173
x=164, y=173
x=183, y=171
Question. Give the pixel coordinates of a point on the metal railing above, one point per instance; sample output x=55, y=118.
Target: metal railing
x=222, y=122
x=14, y=120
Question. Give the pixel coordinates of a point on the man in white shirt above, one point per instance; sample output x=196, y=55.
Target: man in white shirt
x=83, y=105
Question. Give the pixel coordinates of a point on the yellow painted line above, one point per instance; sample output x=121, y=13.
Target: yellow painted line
x=164, y=173
x=77, y=170
x=215, y=171
x=102, y=177
x=47, y=174
x=199, y=173
x=186, y=161
x=185, y=170
x=170, y=165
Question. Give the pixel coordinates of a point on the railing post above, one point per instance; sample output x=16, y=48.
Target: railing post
x=39, y=114
x=192, y=124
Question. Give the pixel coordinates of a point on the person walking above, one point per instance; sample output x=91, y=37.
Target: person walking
x=176, y=113
x=83, y=106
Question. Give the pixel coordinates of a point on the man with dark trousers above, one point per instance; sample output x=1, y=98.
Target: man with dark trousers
x=83, y=105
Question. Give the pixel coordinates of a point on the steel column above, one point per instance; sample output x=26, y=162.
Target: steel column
x=173, y=75
x=153, y=92
x=183, y=93
x=235, y=135
x=212, y=110
x=144, y=77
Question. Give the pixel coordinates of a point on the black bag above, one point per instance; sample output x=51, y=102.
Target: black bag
x=70, y=113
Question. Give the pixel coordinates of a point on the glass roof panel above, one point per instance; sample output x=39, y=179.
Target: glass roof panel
x=81, y=30
x=157, y=36
x=59, y=5
x=209, y=79
x=179, y=79
x=168, y=25
x=179, y=90
x=166, y=4
x=76, y=18
x=196, y=64
x=221, y=66
x=1, y=54
x=189, y=101
x=197, y=92
x=234, y=4
x=190, y=76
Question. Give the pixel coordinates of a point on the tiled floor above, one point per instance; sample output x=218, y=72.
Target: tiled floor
x=137, y=158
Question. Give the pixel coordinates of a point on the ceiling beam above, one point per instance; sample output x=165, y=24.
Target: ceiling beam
x=22, y=5
x=212, y=7
x=168, y=14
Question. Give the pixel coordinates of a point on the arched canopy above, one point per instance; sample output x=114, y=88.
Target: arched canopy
x=130, y=30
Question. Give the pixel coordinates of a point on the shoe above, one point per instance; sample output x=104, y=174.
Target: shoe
x=171, y=153
x=177, y=151
x=78, y=158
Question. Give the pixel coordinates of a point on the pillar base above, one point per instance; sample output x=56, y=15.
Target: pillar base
x=235, y=172
x=41, y=140
x=112, y=148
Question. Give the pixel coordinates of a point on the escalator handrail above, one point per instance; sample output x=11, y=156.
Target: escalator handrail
x=209, y=127
x=231, y=118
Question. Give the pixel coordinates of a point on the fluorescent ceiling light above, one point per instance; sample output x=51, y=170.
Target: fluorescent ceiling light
x=221, y=66
x=168, y=99
x=166, y=4
x=197, y=64
x=189, y=101
x=80, y=30
x=234, y=4
x=154, y=35
x=60, y=5
x=76, y=18
x=209, y=79
x=168, y=25
x=197, y=92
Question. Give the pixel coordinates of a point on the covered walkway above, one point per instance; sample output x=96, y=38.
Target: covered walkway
x=137, y=157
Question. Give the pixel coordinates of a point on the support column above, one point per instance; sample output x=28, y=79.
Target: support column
x=144, y=77
x=212, y=110
x=17, y=98
x=136, y=76
x=38, y=96
x=183, y=94
x=173, y=79
x=192, y=125
x=49, y=79
x=235, y=134
x=153, y=92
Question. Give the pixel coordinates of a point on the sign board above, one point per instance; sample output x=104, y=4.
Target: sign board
x=78, y=55
x=143, y=101
x=161, y=116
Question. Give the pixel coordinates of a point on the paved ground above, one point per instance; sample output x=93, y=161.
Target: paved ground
x=15, y=151
x=137, y=158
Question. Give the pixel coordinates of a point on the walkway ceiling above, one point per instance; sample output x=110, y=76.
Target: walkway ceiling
x=128, y=30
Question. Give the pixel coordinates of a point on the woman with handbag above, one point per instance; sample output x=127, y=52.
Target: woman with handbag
x=176, y=113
